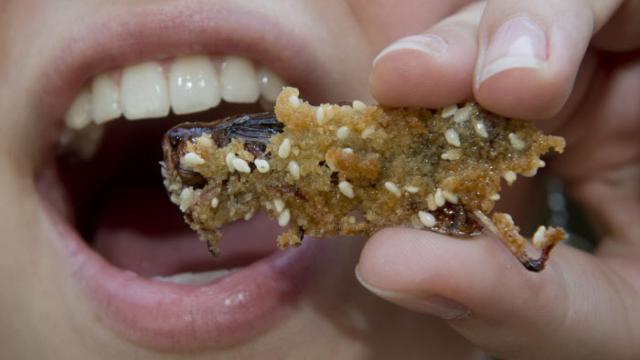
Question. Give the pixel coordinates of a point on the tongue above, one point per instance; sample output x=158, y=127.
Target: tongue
x=138, y=229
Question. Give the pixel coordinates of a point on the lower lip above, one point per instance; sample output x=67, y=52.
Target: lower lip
x=228, y=311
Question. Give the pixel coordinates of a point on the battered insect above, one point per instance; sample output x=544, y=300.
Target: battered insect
x=354, y=169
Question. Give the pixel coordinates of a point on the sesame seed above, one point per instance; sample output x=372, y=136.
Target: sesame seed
x=347, y=150
x=508, y=218
x=411, y=189
x=449, y=111
x=320, y=115
x=205, y=141
x=285, y=216
x=415, y=222
x=331, y=111
x=186, y=198
x=330, y=162
x=229, y=160
x=278, y=204
x=453, y=154
x=215, y=202
x=174, y=187
x=462, y=114
x=249, y=215
x=539, y=238
x=426, y=218
x=358, y=105
x=346, y=189
x=191, y=160
x=530, y=173
x=294, y=100
x=450, y=197
x=533, y=171
x=393, y=188
x=367, y=132
x=481, y=129
x=343, y=133
x=439, y=198
x=509, y=176
x=262, y=165
x=294, y=169
x=431, y=202
x=241, y=165
x=516, y=141
x=285, y=148
x=495, y=197
x=452, y=137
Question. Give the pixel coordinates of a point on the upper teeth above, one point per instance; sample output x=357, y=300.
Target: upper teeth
x=144, y=91
x=105, y=99
x=193, y=85
x=239, y=82
x=186, y=85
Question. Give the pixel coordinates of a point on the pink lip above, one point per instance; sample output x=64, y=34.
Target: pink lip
x=153, y=313
x=165, y=315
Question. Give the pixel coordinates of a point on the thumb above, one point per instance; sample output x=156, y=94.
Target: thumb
x=576, y=308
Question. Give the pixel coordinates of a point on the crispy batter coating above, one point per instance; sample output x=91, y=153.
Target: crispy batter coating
x=338, y=169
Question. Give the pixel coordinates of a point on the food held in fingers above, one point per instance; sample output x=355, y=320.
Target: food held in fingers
x=354, y=169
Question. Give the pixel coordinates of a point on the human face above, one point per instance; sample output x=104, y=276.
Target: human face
x=83, y=241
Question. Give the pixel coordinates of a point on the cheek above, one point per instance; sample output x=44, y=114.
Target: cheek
x=385, y=21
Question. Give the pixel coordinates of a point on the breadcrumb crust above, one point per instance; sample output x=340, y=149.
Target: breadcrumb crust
x=337, y=169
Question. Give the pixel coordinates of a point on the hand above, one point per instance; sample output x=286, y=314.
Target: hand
x=573, y=66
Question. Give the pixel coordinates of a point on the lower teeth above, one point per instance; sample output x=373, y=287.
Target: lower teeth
x=199, y=278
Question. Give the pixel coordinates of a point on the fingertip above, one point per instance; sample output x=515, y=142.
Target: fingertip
x=392, y=266
x=524, y=93
x=427, y=70
x=420, y=262
x=528, y=58
x=413, y=264
x=407, y=77
x=433, y=69
x=378, y=263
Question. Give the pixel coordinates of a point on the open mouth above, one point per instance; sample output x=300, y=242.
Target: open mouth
x=109, y=163
x=145, y=273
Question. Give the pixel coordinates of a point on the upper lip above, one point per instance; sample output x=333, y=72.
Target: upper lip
x=121, y=36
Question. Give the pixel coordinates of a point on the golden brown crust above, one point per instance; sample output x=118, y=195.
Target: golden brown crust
x=355, y=169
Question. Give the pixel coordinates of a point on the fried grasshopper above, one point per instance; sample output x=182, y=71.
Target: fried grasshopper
x=353, y=169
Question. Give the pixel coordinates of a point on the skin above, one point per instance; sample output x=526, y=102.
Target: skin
x=581, y=306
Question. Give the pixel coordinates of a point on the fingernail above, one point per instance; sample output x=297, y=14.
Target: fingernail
x=435, y=305
x=430, y=44
x=518, y=43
